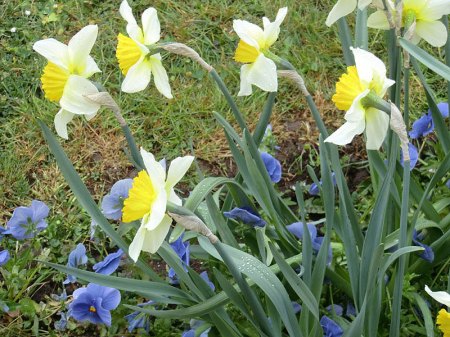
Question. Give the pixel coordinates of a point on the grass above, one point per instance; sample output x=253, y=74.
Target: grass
x=27, y=169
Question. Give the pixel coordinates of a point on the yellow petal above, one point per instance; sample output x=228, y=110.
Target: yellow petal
x=443, y=320
x=347, y=89
x=128, y=53
x=140, y=198
x=54, y=80
x=246, y=53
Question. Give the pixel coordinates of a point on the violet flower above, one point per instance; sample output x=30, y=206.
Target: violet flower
x=26, y=222
x=245, y=215
x=4, y=257
x=413, y=154
x=314, y=188
x=77, y=257
x=425, y=125
x=427, y=254
x=109, y=264
x=330, y=327
x=182, y=250
x=273, y=166
x=112, y=203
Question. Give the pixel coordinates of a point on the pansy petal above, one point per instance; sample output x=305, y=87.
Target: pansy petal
x=378, y=20
x=73, y=99
x=111, y=298
x=340, y=9
x=81, y=43
x=434, y=32
x=54, y=51
x=154, y=238
x=442, y=297
x=249, y=32
x=177, y=169
x=138, y=76
x=377, y=125
x=133, y=30
x=263, y=74
x=62, y=118
x=160, y=76
x=151, y=26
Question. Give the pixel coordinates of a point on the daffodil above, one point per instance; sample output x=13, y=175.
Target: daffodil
x=65, y=77
x=253, y=46
x=343, y=8
x=426, y=13
x=367, y=77
x=136, y=61
x=443, y=318
x=148, y=198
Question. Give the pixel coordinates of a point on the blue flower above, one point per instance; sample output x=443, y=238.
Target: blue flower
x=2, y=232
x=350, y=310
x=195, y=324
x=182, y=250
x=335, y=309
x=112, y=203
x=297, y=229
x=427, y=254
x=425, y=125
x=246, y=215
x=61, y=325
x=443, y=108
x=314, y=189
x=4, y=257
x=273, y=166
x=92, y=229
x=204, y=276
x=61, y=297
x=297, y=307
x=27, y=221
x=330, y=327
x=77, y=257
x=94, y=303
x=448, y=183
x=413, y=154
x=139, y=319
x=109, y=264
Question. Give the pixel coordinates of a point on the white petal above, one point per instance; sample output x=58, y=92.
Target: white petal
x=138, y=76
x=378, y=20
x=377, y=125
x=340, y=9
x=154, y=238
x=151, y=26
x=154, y=169
x=263, y=74
x=80, y=45
x=249, y=32
x=440, y=296
x=62, y=118
x=73, y=99
x=362, y=4
x=157, y=211
x=369, y=66
x=272, y=30
x=160, y=76
x=133, y=30
x=435, y=9
x=345, y=133
x=246, y=86
x=136, y=245
x=174, y=198
x=356, y=112
x=178, y=168
x=54, y=51
x=90, y=68
x=433, y=32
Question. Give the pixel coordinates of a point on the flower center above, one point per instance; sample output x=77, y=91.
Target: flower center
x=127, y=53
x=246, y=53
x=347, y=89
x=92, y=309
x=54, y=80
x=140, y=198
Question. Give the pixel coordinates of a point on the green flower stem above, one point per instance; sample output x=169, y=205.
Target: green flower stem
x=372, y=100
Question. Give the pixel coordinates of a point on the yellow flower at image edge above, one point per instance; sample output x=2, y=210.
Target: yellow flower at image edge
x=368, y=76
x=147, y=200
x=443, y=322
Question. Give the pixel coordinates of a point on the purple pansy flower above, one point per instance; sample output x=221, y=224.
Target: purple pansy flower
x=112, y=203
x=2, y=233
x=27, y=221
x=425, y=125
x=350, y=310
x=297, y=229
x=272, y=165
x=195, y=324
x=139, y=319
x=427, y=254
x=61, y=325
x=4, y=257
x=182, y=250
x=413, y=154
x=77, y=257
x=335, y=309
x=314, y=189
x=204, y=276
x=448, y=183
x=246, y=215
x=109, y=264
x=94, y=303
x=330, y=327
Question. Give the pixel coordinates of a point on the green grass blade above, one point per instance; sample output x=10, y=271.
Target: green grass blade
x=426, y=314
x=85, y=199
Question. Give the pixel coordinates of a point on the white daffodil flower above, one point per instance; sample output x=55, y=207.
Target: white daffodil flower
x=65, y=77
x=258, y=68
x=343, y=8
x=368, y=76
x=133, y=53
x=147, y=200
x=440, y=296
x=427, y=14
